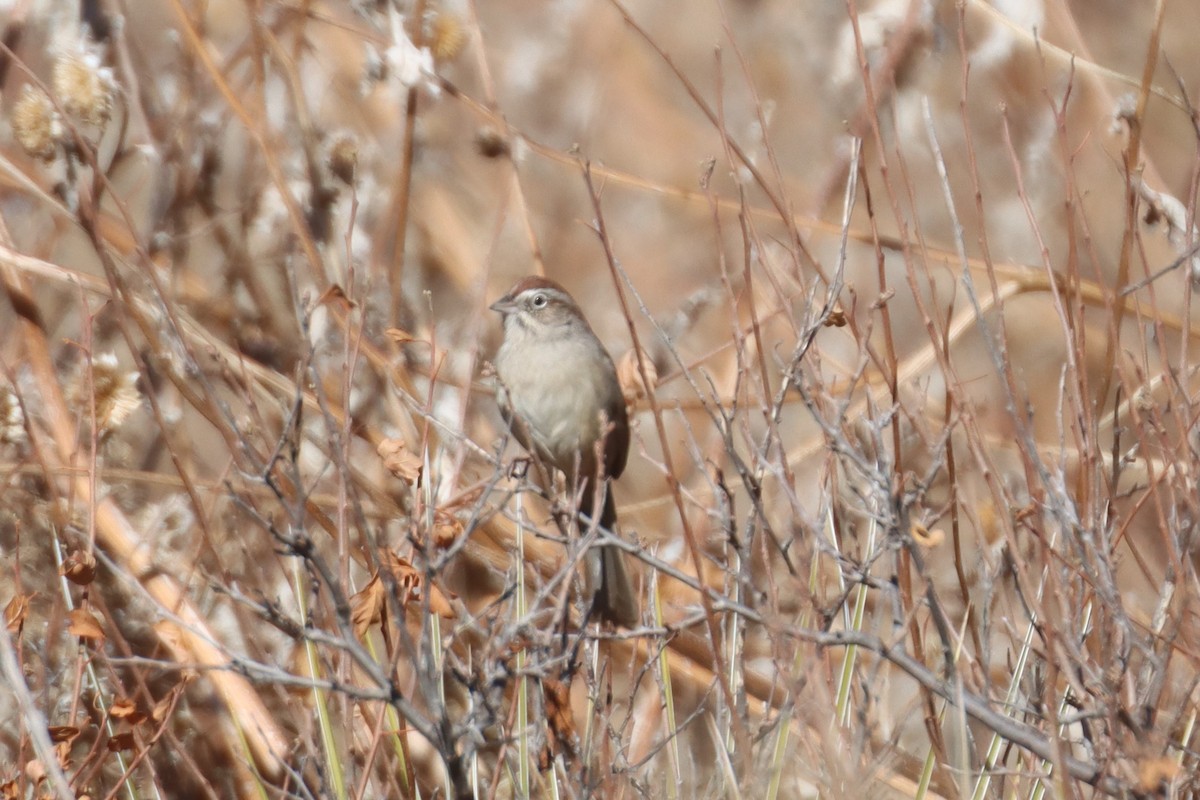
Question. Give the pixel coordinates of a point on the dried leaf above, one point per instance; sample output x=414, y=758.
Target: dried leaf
x=85, y=625
x=171, y=636
x=63, y=733
x=122, y=741
x=15, y=613
x=439, y=605
x=79, y=567
x=558, y=708
x=126, y=708
x=164, y=706
x=8, y=790
x=446, y=530
x=557, y=697
x=836, y=319
x=927, y=538
x=629, y=375
x=367, y=606
x=405, y=575
x=399, y=461
x=35, y=770
x=1154, y=773
x=410, y=585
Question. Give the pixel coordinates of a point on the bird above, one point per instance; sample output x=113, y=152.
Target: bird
x=558, y=392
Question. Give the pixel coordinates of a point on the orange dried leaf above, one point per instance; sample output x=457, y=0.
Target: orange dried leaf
x=15, y=613
x=367, y=606
x=446, y=530
x=557, y=698
x=122, y=707
x=164, y=706
x=399, y=460
x=173, y=639
x=927, y=538
x=1154, y=773
x=125, y=708
x=35, y=770
x=439, y=605
x=171, y=636
x=558, y=708
x=8, y=790
x=63, y=733
x=410, y=584
x=79, y=567
x=83, y=623
x=629, y=375
x=408, y=580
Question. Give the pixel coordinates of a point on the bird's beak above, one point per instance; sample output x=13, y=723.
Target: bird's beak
x=504, y=305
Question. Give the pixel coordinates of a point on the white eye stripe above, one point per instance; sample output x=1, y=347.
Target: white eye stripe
x=540, y=298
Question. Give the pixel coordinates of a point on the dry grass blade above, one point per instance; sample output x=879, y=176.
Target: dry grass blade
x=901, y=300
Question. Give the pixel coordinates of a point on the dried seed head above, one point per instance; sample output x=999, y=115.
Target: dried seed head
x=343, y=157
x=492, y=143
x=169, y=521
x=84, y=88
x=12, y=418
x=406, y=63
x=449, y=37
x=1143, y=399
x=116, y=392
x=36, y=124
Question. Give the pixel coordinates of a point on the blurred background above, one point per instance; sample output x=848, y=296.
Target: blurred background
x=912, y=286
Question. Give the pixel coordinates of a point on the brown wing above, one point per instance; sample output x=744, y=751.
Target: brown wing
x=616, y=446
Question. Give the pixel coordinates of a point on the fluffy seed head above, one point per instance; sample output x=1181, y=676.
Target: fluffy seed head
x=449, y=37
x=36, y=124
x=12, y=418
x=84, y=88
x=115, y=391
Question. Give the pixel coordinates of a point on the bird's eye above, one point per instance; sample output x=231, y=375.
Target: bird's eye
x=539, y=301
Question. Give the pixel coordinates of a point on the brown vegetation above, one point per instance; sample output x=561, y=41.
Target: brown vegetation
x=901, y=298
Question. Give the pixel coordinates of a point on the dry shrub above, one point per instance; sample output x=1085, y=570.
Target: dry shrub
x=904, y=292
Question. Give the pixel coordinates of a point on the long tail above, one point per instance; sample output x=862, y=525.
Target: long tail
x=608, y=581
